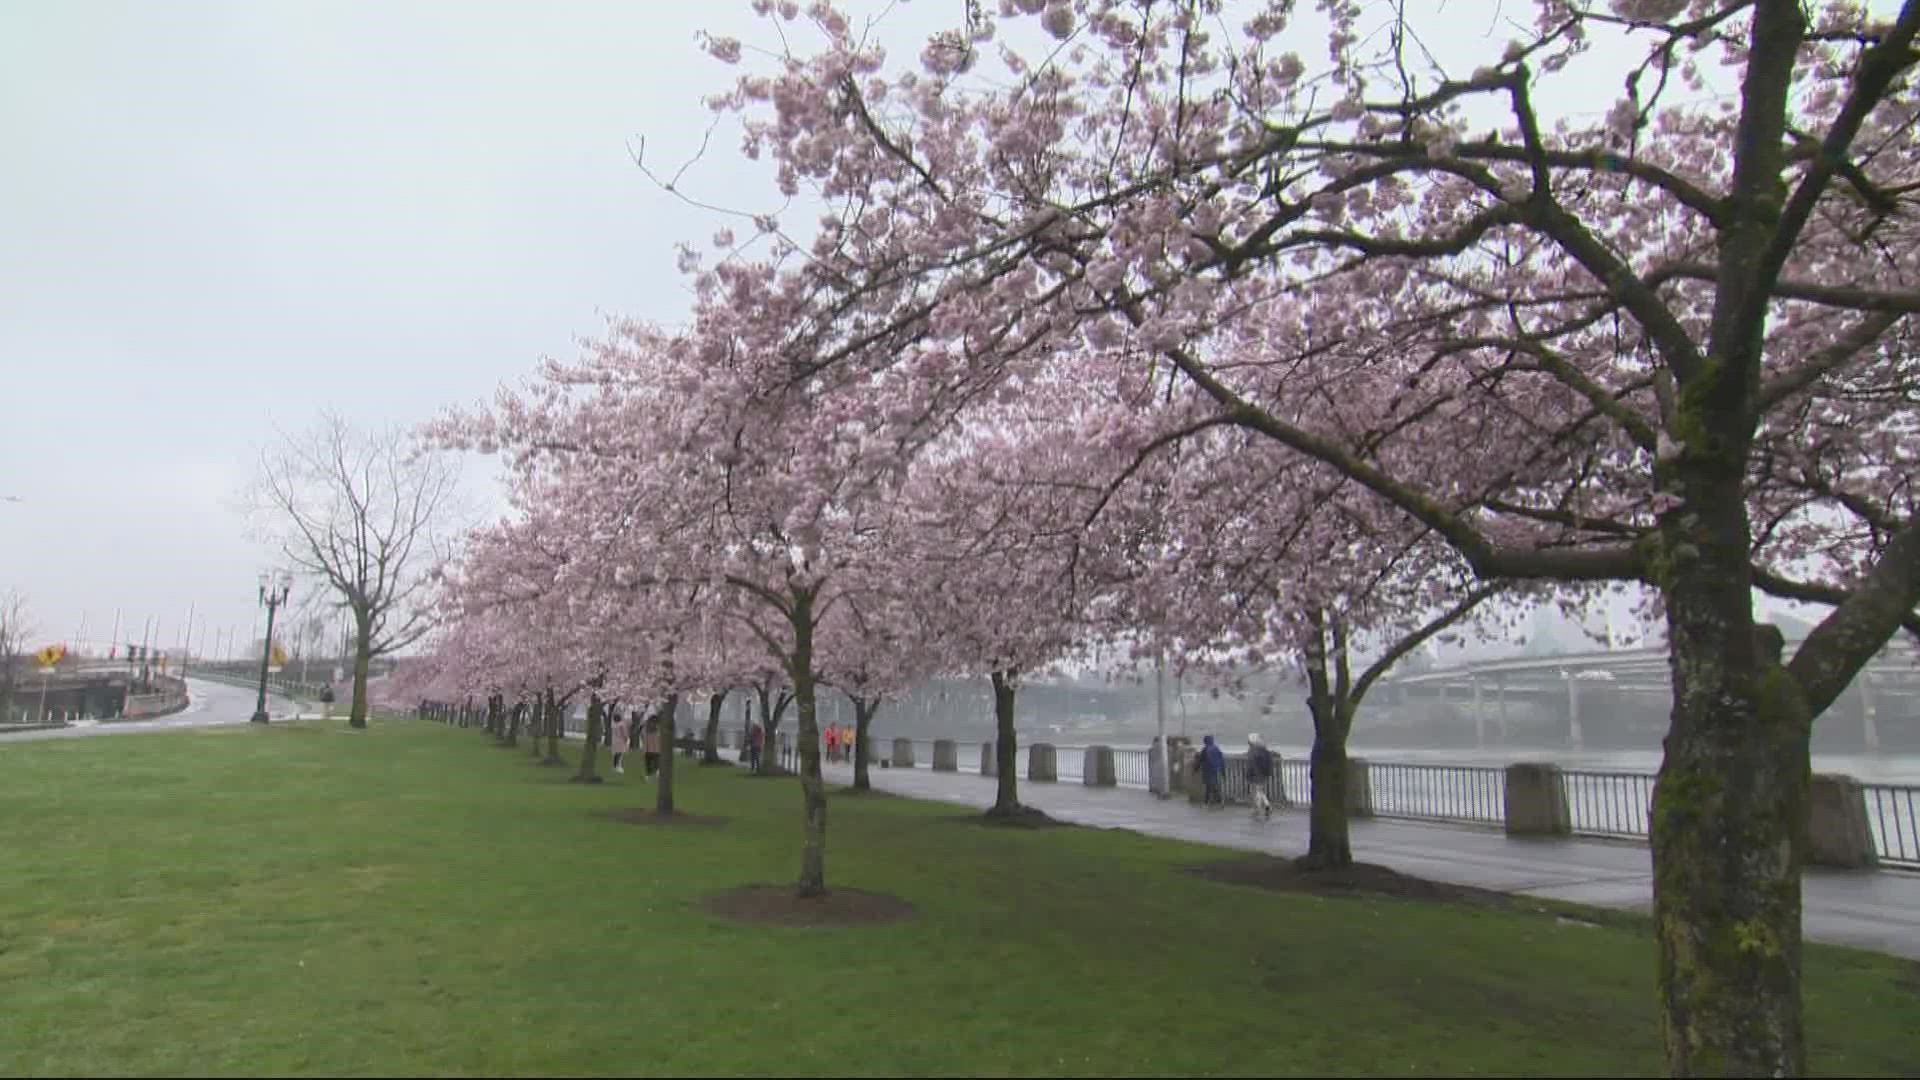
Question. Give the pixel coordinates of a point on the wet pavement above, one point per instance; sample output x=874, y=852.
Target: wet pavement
x=209, y=704
x=1878, y=910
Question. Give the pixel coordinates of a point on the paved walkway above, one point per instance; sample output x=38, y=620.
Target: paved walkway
x=209, y=704
x=1877, y=910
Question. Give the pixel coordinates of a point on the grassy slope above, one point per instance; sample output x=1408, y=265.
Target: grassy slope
x=411, y=900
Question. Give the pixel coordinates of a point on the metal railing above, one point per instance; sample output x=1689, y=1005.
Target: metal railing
x=1609, y=803
x=1472, y=793
x=287, y=688
x=1069, y=763
x=1132, y=768
x=1605, y=804
x=1292, y=782
x=1892, y=818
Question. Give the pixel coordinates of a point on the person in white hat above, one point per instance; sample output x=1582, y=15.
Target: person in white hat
x=1259, y=773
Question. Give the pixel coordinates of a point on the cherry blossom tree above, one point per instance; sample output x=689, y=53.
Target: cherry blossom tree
x=876, y=643
x=1686, y=326
x=673, y=474
x=1241, y=554
x=996, y=550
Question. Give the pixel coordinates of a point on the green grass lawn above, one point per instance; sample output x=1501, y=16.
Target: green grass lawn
x=409, y=900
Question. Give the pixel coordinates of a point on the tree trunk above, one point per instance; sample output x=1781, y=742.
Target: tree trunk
x=770, y=725
x=555, y=720
x=495, y=707
x=864, y=709
x=769, y=750
x=1328, y=844
x=813, y=853
x=537, y=723
x=362, y=655
x=1006, y=748
x=1730, y=804
x=586, y=775
x=513, y=725
x=663, y=791
x=711, y=754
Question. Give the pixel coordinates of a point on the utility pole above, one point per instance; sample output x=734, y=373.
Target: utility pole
x=1160, y=720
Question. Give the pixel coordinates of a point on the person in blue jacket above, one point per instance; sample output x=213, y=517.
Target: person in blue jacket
x=1213, y=764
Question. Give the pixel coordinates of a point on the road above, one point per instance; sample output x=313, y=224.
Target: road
x=209, y=704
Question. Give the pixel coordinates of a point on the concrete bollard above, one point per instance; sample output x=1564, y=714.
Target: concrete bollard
x=1837, y=831
x=1179, y=757
x=946, y=756
x=1042, y=763
x=903, y=753
x=989, y=760
x=1096, y=769
x=1536, y=803
x=1359, y=788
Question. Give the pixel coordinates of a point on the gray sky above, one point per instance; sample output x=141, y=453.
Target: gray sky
x=216, y=219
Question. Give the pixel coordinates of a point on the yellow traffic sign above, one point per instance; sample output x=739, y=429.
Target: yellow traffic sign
x=51, y=656
x=276, y=658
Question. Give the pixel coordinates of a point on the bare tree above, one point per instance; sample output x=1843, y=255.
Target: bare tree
x=360, y=511
x=15, y=628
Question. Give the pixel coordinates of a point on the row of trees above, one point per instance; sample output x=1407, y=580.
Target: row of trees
x=1157, y=338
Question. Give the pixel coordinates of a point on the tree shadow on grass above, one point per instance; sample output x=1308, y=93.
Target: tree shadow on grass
x=648, y=817
x=782, y=905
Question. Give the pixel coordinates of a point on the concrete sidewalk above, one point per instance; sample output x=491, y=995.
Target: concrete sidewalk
x=1878, y=910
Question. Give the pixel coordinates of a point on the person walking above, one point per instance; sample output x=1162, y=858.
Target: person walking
x=650, y=743
x=833, y=743
x=619, y=741
x=1213, y=763
x=326, y=699
x=1259, y=773
x=756, y=738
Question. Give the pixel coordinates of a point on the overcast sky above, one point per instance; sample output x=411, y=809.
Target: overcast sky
x=216, y=219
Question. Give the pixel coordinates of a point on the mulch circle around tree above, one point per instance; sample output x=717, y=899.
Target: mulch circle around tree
x=1027, y=817
x=781, y=905
x=1359, y=879
x=648, y=817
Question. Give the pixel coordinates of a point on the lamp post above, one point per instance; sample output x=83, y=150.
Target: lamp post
x=274, y=588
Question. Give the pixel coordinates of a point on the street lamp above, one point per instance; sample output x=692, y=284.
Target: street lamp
x=274, y=587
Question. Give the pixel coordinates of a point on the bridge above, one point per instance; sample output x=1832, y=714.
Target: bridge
x=1621, y=697
x=82, y=688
